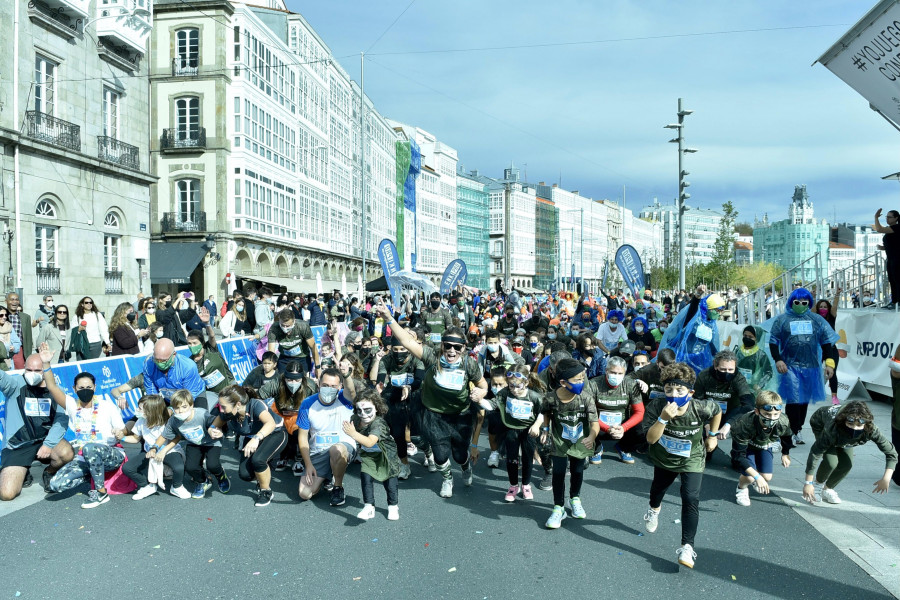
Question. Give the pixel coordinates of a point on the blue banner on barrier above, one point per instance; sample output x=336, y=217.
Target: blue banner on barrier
x=629, y=263
x=240, y=355
x=455, y=274
x=318, y=335
x=390, y=264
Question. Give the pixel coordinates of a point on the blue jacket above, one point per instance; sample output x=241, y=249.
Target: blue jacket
x=10, y=388
x=183, y=375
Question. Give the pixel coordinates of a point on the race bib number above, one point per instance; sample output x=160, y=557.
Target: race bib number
x=292, y=351
x=747, y=373
x=193, y=434
x=612, y=419
x=675, y=446
x=450, y=379
x=434, y=337
x=801, y=327
x=37, y=407
x=327, y=439
x=213, y=379
x=519, y=409
x=723, y=404
x=572, y=433
x=401, y=379
x=704, y=332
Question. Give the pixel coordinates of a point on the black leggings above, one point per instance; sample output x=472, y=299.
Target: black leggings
x=291, y=450
x=398, y=420
x=576, y=468
x=193, y=462
x=514, y=440
x=690, y=498
x=796, y=414
x=368, y=489
x=258, y=462
x=630, y=442
x=136, y=468
x=449, y=435
x=895, y=438
x=832, y=383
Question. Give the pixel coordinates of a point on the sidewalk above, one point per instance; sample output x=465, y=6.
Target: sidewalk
x=865, y=526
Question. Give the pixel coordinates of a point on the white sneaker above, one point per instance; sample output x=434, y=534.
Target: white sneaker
x=686, y=556
x=147, y=490
x=180, y=492
x=447, y=488
x=651, y=520
x=429, y=462
x=405, y=471
x=393, y=513
x=830, y=496
x=742, y=496
x=367, y=512
x=494, y=459
x=467, y=476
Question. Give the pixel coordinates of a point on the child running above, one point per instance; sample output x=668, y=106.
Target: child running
x=753, y=436
x=146, y=471
x=377, y=451
x=674, y=427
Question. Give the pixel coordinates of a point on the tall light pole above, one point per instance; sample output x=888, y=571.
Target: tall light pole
x=682, y=184
x=362, y=159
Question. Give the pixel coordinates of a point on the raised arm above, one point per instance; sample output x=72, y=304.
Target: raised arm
x=404, y=337
x=56, y=393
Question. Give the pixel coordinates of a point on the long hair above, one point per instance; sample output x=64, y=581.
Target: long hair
x=857, y=409
x=356, y=367
x=80, y=310
x=65, y=325
x=284, y=399
x=240, y=316
x=120, y=317
x=155, y=411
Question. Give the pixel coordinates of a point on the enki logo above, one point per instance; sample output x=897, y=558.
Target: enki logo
x=106, y=371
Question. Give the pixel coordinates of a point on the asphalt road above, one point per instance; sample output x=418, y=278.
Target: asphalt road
x=473, y=545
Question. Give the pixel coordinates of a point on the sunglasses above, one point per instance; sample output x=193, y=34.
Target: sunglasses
x=801, y=302
x=61, y=312
x=457, y=347
x=88, y=302
x=514, y=375
x=855, y=420
x=771, y=407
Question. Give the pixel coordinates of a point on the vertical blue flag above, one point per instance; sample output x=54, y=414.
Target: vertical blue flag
x=629, y=263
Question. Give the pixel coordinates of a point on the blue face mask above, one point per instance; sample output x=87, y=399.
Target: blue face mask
x=575, y=388
x=448, y=365
x=679, y=400
x=533, y=345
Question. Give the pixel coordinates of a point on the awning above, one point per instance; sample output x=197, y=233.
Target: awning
x=173, y=262
x=377, y=285
x=295, y=286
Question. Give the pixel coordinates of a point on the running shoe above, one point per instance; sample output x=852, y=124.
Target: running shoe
x=798, y=439
x=298, y=468
x=199, y=491
x=337, y=495
x=429, y=462
x=367, y=512
x=411, y=449
x=546, y=482
x=405, y=471
x=526, y=492
x=95, y=499
x=625, y=457
x=651, y=520
x=511, y=493
x=29, y=479
x=329, y=485
x=742, y=496
x=447, y=488
x=577, y=508
x=393, y=513
x=224, y=483
x=494, y=460
x=686, y=556
x=830, y=496
x=180, y=492
x=264, y=498
x=556, y=517
x=45, y=480
x=144, y=492
x=597, y=458
x=467, y=475
x=281, y=465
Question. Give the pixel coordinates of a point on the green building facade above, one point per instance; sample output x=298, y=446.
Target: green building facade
x=789, y=242
x=472, y=229
x=546, y=231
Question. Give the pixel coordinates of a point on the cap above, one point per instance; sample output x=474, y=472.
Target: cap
x=714, y=301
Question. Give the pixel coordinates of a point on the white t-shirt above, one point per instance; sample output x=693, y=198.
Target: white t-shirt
x=96, y=329
x=151, y=434
x=325, y=423
x=82, y=421
x=610, y=338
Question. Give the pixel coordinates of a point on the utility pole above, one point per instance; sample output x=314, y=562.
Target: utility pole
x=682, y=185
x=362, y=160
x=581, y=211
x=507, y=233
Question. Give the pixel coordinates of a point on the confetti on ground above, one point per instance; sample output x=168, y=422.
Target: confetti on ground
x=374, y=540
x=208, y=519
x=733, y=578
x=619, y=553
x=275, y=574
x=453, y=570
x=677, y=521
x=156, y=547
x=82, y=527
x=479, y=532
x=357, y=578
x=33, y=542
x=210, y=560
x=426, y=544
x=18, y=594
x=56, y=524
x=641, y=534
x=256, y=573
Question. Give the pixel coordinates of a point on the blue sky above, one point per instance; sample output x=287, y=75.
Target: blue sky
x=593, y=114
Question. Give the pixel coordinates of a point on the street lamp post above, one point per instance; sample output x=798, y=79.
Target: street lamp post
x=682, y=184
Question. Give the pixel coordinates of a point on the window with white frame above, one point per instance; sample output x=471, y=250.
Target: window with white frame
x=187, y=48
x=110, y=113
x=46, y=242
x=187, y=117
x=45, y=210
x=188, y=191
x=111, y=221
x=111, y=253
x=45, y=85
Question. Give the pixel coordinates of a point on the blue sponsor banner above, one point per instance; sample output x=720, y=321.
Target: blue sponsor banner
x=2, y=422
x=390, y=264
x=319, y=335
x=456, y=273
x=629, y=263
x=605, y=275
x=240, y=355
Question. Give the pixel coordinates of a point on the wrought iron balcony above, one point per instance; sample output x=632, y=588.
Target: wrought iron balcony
x=120, y=153
x=47, y=280
x=185, y=66
x=113, y=282
x=47, y=128
x=177, y=222
x=183, y=140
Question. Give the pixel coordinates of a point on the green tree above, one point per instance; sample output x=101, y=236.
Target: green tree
x=743, y=228
x=723, y=250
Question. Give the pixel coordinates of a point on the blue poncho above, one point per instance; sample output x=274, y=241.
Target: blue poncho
x=695, y=342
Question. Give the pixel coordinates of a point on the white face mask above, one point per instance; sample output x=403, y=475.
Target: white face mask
x=496, y=389
x=139, y=414
x=151, y=311
x=639, y=328
x=33, y=379
x=293, y=385
x=615, y=379
x=181, y=415
x=493, y=347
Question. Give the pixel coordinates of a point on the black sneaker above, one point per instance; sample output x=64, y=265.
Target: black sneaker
x=45, y=480
x=546, y=482
x=28, y=479
x=265, y=497
x=337, y=495
x=224, y=483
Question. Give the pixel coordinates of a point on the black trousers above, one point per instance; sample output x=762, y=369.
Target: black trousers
x=258, y=462
x=368, y=489
x=796, y=414
x=193, y=461
x=137, y=465
x=690, y=498
x=576, y=469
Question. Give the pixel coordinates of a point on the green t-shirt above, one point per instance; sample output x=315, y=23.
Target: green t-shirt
x=755, y=367
x=214, y=372
x=680, y=448
x=829, y=436
x=727, y=394
x=438, y=321
x=292, y=344
x=518, y=413
x=570, y=422
x=393, y=374
x=748, y=431
x=651, y=376
x=614, y=404
x=446, y=391
x=380, y=461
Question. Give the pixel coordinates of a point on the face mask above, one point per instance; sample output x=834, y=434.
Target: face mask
x=360, y=328
x=613, y=326
x=713, y=315
x=139, y=414
x=182, y=415
x=131, y=317
x=287, y=329
x=446, y=364
x=33, y=379
x=551, y=336
x=640, y=309
x=799, y=309
x=533, y=346
x=614, y=379
x=151, y=311
x=195, y=350
x=575, y=388
x=49, y=304
x=679, y=400
x=509, y=315
x=435, y=304
x=401, y=356
x=639, y=367
x=663, y=327
x=493, y=347
x=166, y=364
x=328, y=395
x=723, y=376
x=85, y=395
x=240, y=309
x=748, y=341
x=823, y=312
x=866, y=299
x=293, y=385
x=364, y=352
x=496, y=389
x=855, y=433
x=366, y=413
x=461, y=304
x=767, y=423
x=639, y=328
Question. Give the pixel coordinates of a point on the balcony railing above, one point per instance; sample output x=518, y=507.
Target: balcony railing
x=184, y=66
x=176, y=139
x=176, y=222
x=47, y=128
x=47, y=280
x=113, y=282
x=114, y=151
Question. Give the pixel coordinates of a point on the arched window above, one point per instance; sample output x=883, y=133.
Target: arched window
x=45, y=210
x=111, y=221
x=187, y=51
x=187, y=117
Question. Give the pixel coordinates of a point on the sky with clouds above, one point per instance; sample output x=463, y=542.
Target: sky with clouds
x=592, y=114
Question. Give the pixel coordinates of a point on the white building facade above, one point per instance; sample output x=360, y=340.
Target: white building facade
x=701, y=230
